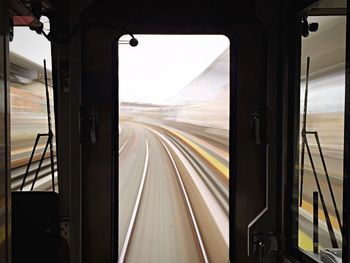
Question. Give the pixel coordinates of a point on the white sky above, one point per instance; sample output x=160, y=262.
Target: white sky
x=161, y=65
x=156, y=69
x=31, y=45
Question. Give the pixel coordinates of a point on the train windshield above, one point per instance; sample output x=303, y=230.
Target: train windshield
x=32, y=112
x=320, y=138
x=174, y=104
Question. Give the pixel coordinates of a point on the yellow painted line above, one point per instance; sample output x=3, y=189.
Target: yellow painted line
x=304, y=241
x=223, y=169
x=309, y=208
x=224, y=154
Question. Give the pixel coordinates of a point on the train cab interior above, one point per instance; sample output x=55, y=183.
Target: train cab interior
x=180, y=131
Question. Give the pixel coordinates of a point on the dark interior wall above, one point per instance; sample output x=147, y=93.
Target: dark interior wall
x=253, y=31
x=288, y=105
x=248, y=186
x=98, y=159
x=156, y=13
x=5, y=209
x=66, y=68
x=346, y=194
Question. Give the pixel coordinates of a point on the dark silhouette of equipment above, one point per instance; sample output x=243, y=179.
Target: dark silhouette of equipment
x=315, y=226
x=132, y=42
x=35, y=227
x=305, y=143
x=307, y=27
x=49, y=136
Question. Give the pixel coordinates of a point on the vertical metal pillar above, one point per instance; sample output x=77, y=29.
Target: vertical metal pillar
x=346, y=161
x=303, y=131
x=5, y=193
x=315, y=229
x=49, y=127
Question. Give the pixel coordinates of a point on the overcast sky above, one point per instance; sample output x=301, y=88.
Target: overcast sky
x=161, y=65
x=326, y=49
x=156, y=69
x=31, y=45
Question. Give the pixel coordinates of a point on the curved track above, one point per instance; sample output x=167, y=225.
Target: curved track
x=167, y=212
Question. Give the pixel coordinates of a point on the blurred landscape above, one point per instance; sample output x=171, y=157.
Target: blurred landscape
x=174, y=172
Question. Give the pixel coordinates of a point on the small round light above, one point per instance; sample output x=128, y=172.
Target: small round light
x=133, y=42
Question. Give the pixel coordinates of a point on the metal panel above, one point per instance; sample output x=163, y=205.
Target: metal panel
x=346, y=185
x=248, y=166
x=254, y=186
x=67, y=84
x=97, y=158
x=4, y=137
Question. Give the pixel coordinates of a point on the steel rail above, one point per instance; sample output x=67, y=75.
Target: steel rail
x=135, y=210
x=189, y=207
x=204, y=175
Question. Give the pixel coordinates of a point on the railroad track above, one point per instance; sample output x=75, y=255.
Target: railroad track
x=165, y=186
x=220, y=192
x=198, y=237
x=202, y=255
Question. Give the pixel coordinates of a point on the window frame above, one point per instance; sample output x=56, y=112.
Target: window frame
x=232, y=77
x=292, y=113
